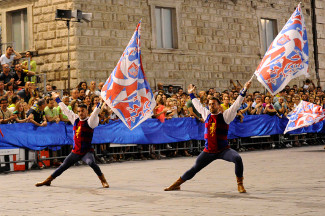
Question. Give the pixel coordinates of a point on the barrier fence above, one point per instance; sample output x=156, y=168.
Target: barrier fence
x=25, y=146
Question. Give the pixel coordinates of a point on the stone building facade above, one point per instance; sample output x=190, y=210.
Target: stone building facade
x=211, y=41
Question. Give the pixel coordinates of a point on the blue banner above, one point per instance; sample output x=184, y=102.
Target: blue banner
x=152, y=131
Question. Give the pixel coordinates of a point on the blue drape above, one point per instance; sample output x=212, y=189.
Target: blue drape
x=152, y=131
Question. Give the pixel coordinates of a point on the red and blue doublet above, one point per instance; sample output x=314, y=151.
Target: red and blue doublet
x=83, y=135
x=215, y=134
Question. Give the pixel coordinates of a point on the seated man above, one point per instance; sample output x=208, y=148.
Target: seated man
x=51, y=113
x=36, y=114
x=281, y=107
x=257, y=106
x=6, y=77
x=63, y=117
x=26, y=93
x=6, y=115
x=9, y=56
x=21, y=76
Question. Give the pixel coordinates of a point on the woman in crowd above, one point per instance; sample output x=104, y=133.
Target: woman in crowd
x=94, y=101
x=20, y=113
x=160, y=110
x=83, y=85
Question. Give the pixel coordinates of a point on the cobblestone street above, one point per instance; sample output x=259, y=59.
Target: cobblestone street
x=279, y=182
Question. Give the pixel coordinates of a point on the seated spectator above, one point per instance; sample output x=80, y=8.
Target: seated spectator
x=226, y=103
x=74, y=95
x=257, y=106
x=2, y=91
x=36, y=113
x=160, y=110
x=100, y=86
x=82, y=85
x=87, y=102
x=268, y=107
x=6, y=115
x=32, y=63
x=64, y=118
x=309, y=85
x=26, y=93
x=245, y=109
x=81, y=94
x=14, y=102
x=173, y=109
x=92, y=89
x=104, y=115
x=94, y=101
x=318, y=101
x=281, y=107
x=10, y=91
x=19, y=111
x=51, y=112
x=282, y=93
x=35, y=92
x=304, y=97
x=21, y=76
x=183, y=109
x=9, y=57
x=32, y=101
x=297, y=101
x=170, y=91
x=6, y=77
x=49, y=88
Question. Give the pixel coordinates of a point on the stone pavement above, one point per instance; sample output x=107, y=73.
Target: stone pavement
x=279, y=182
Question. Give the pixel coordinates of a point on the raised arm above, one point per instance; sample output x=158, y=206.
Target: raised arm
x=69, y=113
x=93, y=120
x=230, y=114
x=198, y=106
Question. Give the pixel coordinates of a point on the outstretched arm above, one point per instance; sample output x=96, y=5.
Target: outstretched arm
x=93, y=120
x=230, y=114
x=69, y=113
x=198, y=106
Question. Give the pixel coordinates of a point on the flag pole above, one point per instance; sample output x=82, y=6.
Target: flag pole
x=251, y=78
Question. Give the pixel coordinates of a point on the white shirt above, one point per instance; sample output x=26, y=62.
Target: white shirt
x=93, y=120
x=5, y=60
x=94, y=92
x=228, y=115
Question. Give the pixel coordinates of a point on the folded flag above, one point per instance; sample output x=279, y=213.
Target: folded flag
x=304, y=115
x=127, y=91
x=287, y=56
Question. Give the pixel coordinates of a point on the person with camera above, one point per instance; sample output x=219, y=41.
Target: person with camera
x=215, y=134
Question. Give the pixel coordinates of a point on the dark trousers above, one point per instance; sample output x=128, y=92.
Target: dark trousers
x=72, y=158
x=206, y=158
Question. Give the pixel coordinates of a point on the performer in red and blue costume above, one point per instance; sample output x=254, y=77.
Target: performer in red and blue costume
x=215, y=134
x=83, y=128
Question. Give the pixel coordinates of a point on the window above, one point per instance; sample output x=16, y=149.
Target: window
x=17, y=30
x=268, y=33
x=165, y=27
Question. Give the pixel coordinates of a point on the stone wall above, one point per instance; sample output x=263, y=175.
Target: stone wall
x=218, y=40
x=320, y=19
x=49, y=38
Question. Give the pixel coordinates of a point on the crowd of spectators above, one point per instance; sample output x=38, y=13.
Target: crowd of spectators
x=21, y=101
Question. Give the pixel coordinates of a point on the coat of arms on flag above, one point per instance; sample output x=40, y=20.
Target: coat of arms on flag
x=127, y=91
x=287, y=56
x=304, y=115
